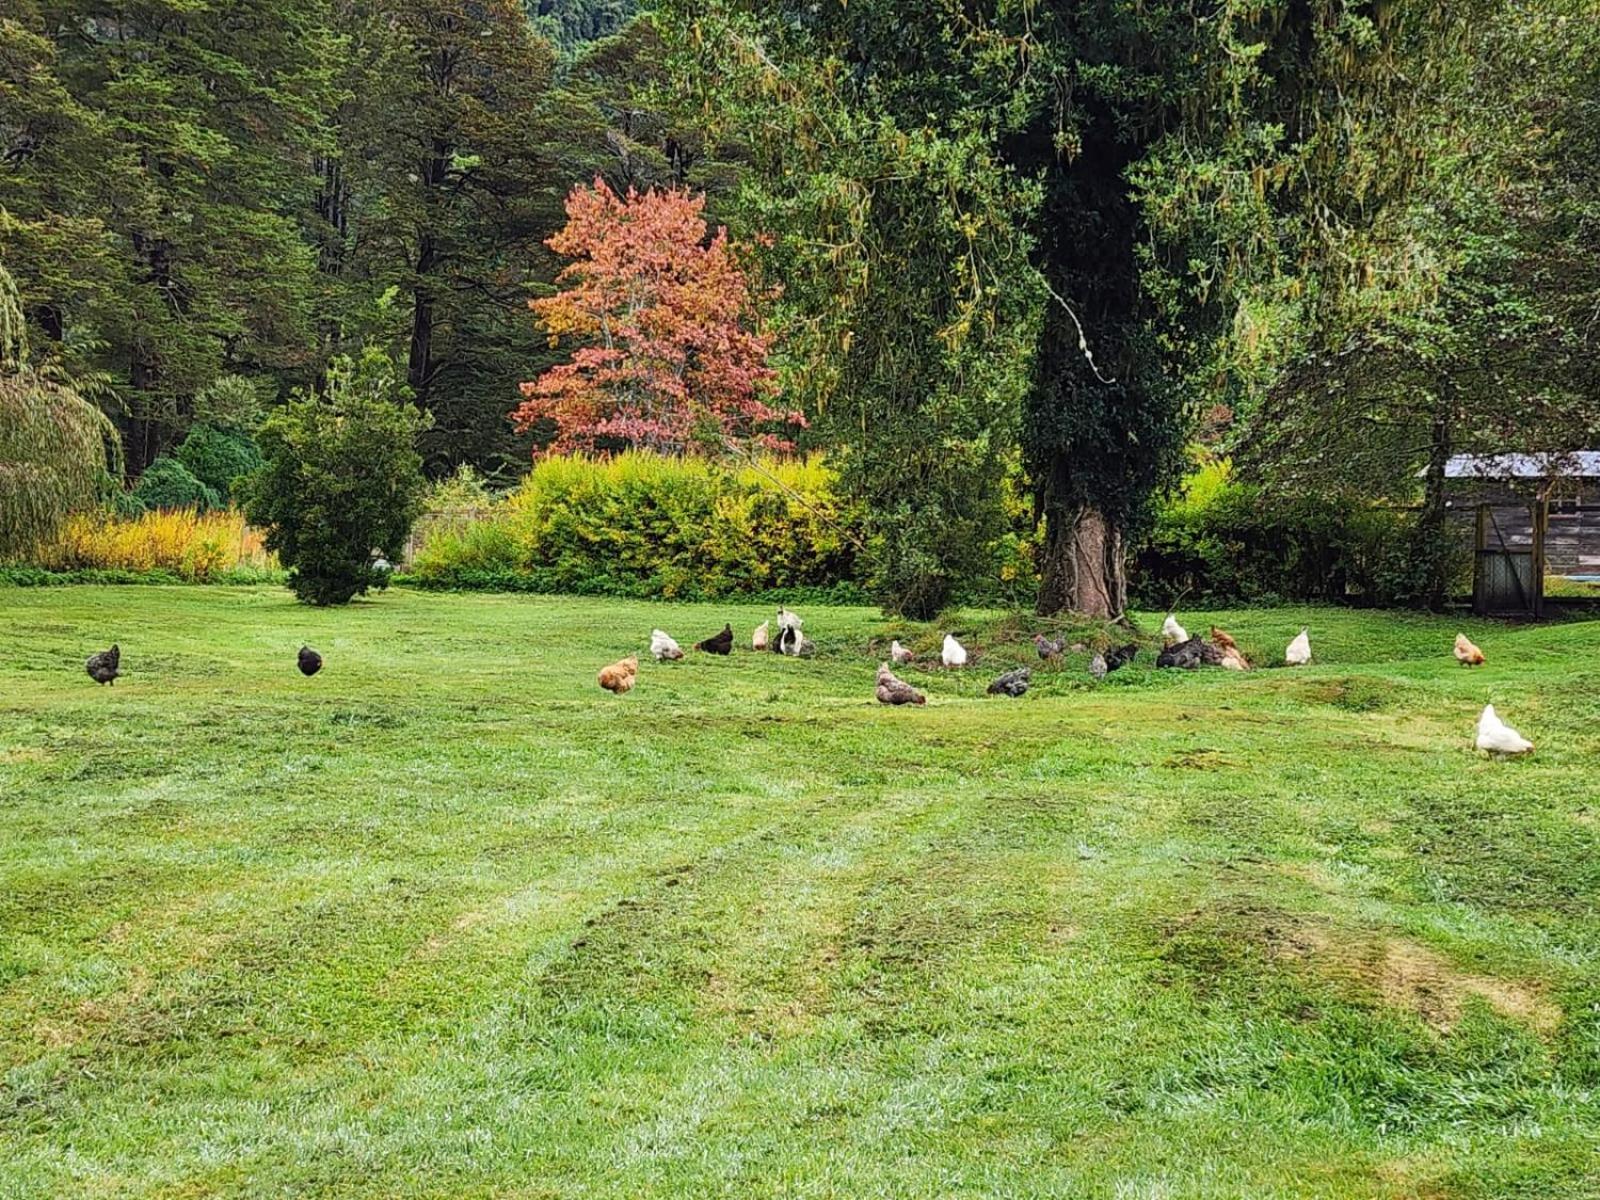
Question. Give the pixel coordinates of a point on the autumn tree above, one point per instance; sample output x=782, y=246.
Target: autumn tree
x=668, y=355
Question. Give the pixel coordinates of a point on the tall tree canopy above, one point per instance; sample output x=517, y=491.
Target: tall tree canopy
x=1156, y=162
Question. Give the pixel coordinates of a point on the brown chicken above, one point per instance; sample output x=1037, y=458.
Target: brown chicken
x=1467, y=654
x=1233, y=658
x=893, y=690
x=620, y=676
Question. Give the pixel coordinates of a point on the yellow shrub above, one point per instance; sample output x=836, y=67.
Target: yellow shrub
x=197, y=546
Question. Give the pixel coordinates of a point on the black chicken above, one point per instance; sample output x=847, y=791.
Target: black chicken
x=102, y=667
x=1121, y=656
x=1047, y=649
x=310, y=661
x=1012, y=683
x=1190, y=655
x=722, y=643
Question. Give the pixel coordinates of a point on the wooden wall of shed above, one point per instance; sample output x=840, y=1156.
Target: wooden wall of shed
x=1571, y=540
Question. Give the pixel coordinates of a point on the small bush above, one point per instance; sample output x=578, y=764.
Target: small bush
x=218, y=458
x=342, y=480
x=168, y=484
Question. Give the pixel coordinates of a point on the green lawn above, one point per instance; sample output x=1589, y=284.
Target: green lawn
x=449, y=921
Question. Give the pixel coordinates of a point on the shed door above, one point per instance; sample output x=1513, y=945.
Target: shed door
x=1508, y=577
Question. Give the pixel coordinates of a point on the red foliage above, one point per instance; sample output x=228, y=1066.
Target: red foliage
x=669, y=353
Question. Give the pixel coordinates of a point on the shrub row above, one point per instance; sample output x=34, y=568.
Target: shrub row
x=642, y=525
x=196, y=547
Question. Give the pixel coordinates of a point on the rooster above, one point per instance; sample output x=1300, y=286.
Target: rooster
x=1467, y=654
x=102, y=667
x=1299, y=652
x=620, y=676
x=953, y=653
x=1012, y=683
x=892, y=690
x=1171, y=632
x=1496, y=737
x=900, y=654
x=1233, y=658
x=721, y=643
x=1047, y=649
x=758, y=639
x=309, y=661
x=663, y=646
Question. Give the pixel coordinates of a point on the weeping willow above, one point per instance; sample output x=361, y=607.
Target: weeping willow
x=54, y=445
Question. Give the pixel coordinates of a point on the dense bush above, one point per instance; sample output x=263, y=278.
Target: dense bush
x=342, y=481
x=168, y=484
x=1225, y=542
x=218, y=458
x=646, y=525
x=184, y=543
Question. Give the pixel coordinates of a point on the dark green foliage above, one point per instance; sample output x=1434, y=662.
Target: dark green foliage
x=342, y=481
x=571, y=24
x=168, y=483
x=218, y=457
x=1226, y=542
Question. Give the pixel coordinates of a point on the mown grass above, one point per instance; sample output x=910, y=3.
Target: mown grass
x=448, y=921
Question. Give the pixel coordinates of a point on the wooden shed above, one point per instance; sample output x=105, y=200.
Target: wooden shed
x=1531, y=515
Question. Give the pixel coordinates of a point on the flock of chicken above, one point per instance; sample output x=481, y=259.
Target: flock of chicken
x=1179, y=650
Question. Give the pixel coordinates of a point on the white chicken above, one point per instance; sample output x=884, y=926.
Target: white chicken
x=1299, y=652
x=1171, y=632
x=899, y=653
x=1496, y=737
x=758, y=640
x=663, y=647
x=954, y=654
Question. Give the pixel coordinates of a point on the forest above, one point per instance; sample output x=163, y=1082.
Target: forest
x=1018, y=272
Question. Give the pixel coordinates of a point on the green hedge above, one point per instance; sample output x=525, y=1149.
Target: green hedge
x=1226, y=542
x=643, y=525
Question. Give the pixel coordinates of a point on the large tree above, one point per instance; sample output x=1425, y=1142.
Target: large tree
x=435, y=207
x=1178, y=156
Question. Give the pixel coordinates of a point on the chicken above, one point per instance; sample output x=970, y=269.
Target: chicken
x=1299, y=652
x=1233, y=658
x=721, y=643
x=1171, y=632
x=1467, y=654
x=900, y=654
x=309, y=660
x=1190, y=655
x=1122, y=656
x=1496, y=737
x=892, y=690
x=790, y=640
x=1098, y=667
x=953, y=654
x=1046, y=648
x=620, y=676
x=102, y=667
x=758, y=639
x=1012, y=683
x=663, y=646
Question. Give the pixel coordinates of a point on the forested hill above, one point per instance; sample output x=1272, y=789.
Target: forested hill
x=208, y=201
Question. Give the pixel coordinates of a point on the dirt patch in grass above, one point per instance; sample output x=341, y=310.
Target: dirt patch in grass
x=1235, y=938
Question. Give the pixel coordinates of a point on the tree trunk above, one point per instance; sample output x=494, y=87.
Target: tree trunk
x=1430, y=546
x=1082, y=567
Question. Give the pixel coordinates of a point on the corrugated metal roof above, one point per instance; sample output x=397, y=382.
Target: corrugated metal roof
x=1581, y=463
